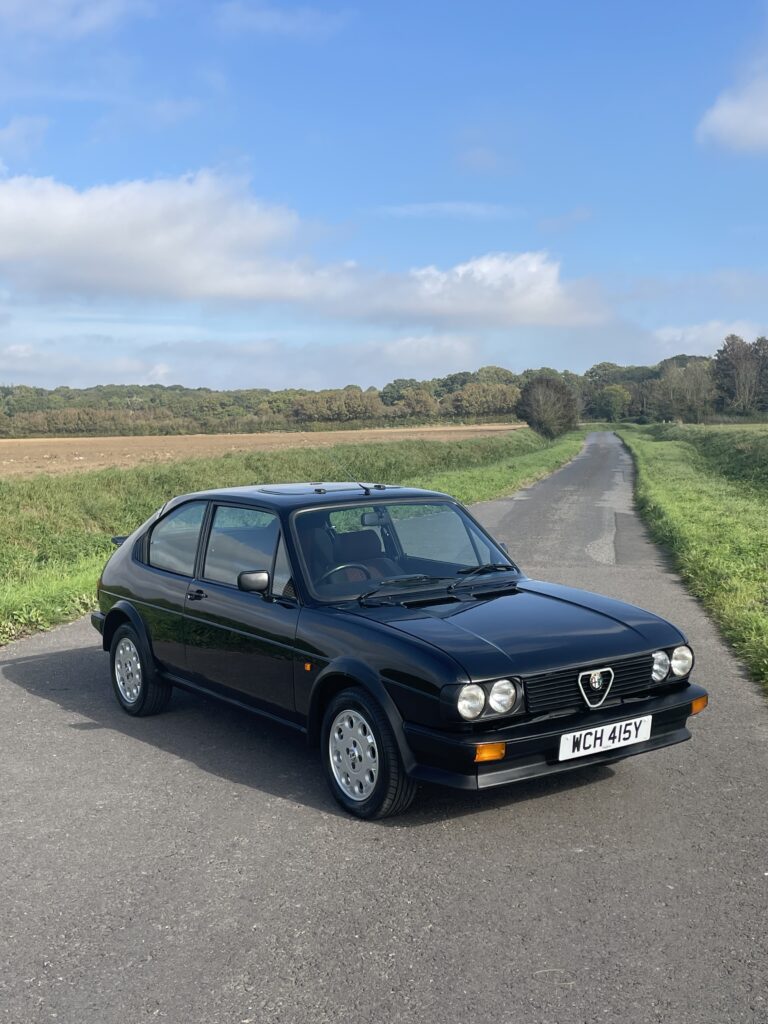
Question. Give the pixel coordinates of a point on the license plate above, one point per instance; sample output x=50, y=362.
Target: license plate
x=605, y=737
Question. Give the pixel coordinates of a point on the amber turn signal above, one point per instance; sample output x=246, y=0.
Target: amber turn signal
x=699, y=704
x=490, y=751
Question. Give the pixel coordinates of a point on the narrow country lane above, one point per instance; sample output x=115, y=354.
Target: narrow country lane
x=192, y=868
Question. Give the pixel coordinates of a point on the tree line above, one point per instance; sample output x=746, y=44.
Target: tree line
x=733, y=383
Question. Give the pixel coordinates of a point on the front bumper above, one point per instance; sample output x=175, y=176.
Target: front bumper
x=97, y=621
x=532, y=747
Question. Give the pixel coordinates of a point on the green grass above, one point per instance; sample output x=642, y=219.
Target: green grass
x=55, y=530
x=704, y=493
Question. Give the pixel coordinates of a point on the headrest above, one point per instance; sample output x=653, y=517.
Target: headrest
x=318, y=547
x=358, y=546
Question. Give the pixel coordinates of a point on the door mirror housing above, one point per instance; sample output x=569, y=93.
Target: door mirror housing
x=372, y=518
x=253, y=581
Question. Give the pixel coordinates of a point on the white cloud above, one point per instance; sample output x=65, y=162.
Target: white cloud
x=21, y=136
x=269, y=19
x=81, y=363
x=202, y=237
x=275, y=363
x=461, y=210
x=18, y=352
x=738, y=119
x=728, y=290
x=193, y=237
x=67, y=19
x=499, y=288
x=81, y=360
x=702, y=339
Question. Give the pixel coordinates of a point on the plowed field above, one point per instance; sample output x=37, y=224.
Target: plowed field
x=28, y=456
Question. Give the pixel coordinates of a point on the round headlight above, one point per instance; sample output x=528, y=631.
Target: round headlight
x=660, y=666
x=682, y=661
x=503, y=695
x=471, y=700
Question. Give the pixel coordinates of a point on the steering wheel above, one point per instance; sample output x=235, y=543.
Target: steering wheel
x=346, y=565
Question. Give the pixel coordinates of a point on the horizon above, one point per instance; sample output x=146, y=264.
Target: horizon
x=244, y=194
x=531, y=371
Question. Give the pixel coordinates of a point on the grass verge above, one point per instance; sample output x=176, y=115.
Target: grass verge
x=704, y=493
x=55, y=531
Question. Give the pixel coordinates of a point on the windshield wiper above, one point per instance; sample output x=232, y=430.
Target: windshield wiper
x=413, y=579
x=478, y=570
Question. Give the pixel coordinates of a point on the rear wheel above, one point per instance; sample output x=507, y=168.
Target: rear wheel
x=361, y=759
x=139, y=688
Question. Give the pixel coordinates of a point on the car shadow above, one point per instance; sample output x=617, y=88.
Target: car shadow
x=244, y=748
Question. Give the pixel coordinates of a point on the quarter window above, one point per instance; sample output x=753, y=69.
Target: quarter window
x=241, y=540
x=173, y=541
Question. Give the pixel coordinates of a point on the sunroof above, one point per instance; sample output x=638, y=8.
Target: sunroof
x=309, y=488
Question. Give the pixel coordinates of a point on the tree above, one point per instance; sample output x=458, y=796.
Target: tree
x=697, y=390
x=496, y=375
x=393, y=392
x=603, y=373
x=612, y=402
x=737, y=374
x=761, y=347
x=683, y=392
x=452, y=383
x=482, y=400
x=418, y=402
x=548, y=406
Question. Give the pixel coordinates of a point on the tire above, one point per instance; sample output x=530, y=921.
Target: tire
x=360, y=757
x=138, y=686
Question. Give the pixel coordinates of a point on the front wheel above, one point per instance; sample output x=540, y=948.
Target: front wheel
x=139, y=688
x=361, y=759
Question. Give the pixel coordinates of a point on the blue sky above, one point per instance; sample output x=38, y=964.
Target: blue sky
x=245, y=193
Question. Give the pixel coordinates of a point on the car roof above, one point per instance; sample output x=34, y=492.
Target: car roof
x=291, y=496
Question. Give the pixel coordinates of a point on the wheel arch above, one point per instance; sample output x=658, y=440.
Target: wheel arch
x=123, y=613
x=346, y=674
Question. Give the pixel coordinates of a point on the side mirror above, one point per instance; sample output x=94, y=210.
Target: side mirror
x=504, y=548
x=372, y=518
x=255, y=582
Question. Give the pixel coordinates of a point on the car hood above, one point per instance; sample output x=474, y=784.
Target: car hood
x=536, y=627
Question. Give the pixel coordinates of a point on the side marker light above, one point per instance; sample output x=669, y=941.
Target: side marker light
x=699, y=704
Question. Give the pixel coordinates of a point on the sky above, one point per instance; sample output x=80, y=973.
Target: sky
x=237, y=193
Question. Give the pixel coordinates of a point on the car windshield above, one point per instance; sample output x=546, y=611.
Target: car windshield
x=390, y=547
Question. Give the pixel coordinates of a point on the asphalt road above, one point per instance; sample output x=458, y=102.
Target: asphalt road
x=191, y=868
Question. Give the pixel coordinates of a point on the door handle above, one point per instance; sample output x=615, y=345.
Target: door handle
x=196, y=595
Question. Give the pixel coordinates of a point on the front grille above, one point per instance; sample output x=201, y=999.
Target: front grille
x=552, y=691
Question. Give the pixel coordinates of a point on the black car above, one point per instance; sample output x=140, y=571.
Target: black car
x=390, y=628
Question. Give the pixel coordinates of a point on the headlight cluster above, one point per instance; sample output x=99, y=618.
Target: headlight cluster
x=682, y=661
x=679, y=664
x=660, y=666
x=501, y=698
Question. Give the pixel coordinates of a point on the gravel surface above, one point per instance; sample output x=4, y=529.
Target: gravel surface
x=191, y=868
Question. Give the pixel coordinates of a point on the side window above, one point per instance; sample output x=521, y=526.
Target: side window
x=282, y=582
x=241, y=539
x=173, y=541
